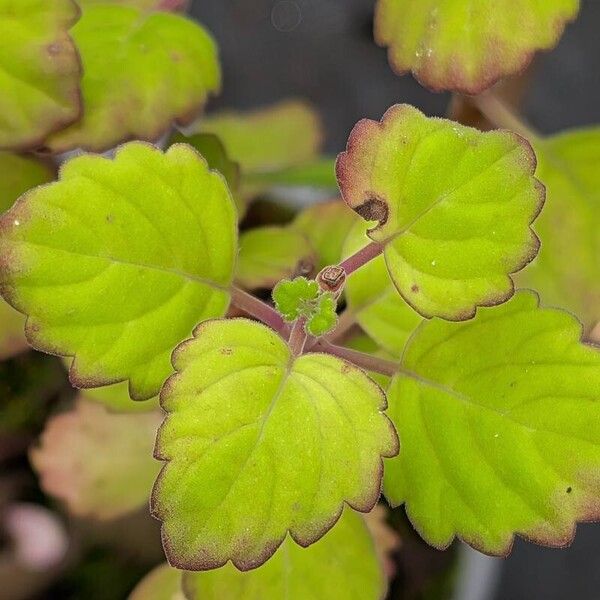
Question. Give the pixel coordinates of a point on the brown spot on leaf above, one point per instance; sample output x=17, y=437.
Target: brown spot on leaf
x=414, y=288
x=226, y=351
x=373, y=209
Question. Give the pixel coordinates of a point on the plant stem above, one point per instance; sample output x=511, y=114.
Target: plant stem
x=360, y=359
x=298, y=337
x=259, y=310
x=362, y=257
x=496, y=111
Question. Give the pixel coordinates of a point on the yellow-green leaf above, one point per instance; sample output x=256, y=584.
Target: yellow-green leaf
x=452, y=206
x=326, y=225
x=567, y=270
x=212, y=150
x=18, y=174
x=499, y=421
x=270, y=254
x=374, y=301
x=117, y=261
x=142, y=72
x=268, y=139
x=259, y=443
x=466, y=46
x=99, y=463
x=40, y=70
x=162, y=583
x=343, y=564
x=116, y=399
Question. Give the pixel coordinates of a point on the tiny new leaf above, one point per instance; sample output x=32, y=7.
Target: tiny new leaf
x=324, y=318
x=499, y=420
x=40, y=71
x=292, y=297
x=99, y=463
x=117, y=261
x=259, y=443
x=453, y=207
x=270, y=254
x=467, y=46
x=294, y=572
x=142, y=71
x=567, y=270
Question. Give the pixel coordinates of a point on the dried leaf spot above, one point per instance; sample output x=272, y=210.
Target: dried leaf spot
x=226, y=351
x=414, y=288
x=569, y=490
x=374, y=209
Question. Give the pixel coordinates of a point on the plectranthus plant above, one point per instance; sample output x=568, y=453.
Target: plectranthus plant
x=265, y=388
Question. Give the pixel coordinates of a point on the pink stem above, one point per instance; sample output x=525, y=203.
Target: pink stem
x=298, y=337
x=362, y=257
x=259, y=310
x=360, y=359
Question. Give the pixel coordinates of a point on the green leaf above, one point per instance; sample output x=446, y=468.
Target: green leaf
x=296, y=572
x=319, y=173
x=374, y=301
x=162, y=583
x=326, y=225
x=500, y=426
x=464, y=46
x=270, y=254
x=291, y=297
x=142, y=71
x=99, y=463
x=363, y=343
x=567, y=270
x=19, y=174
x=213, y=151
x=116, y=399
x=325, y=316
x=453, y=206
x=40, y=71
x=117, y=261
x=259, y=443
x=269, y=139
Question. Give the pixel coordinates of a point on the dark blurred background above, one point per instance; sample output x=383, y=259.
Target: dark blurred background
x=323, y=51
